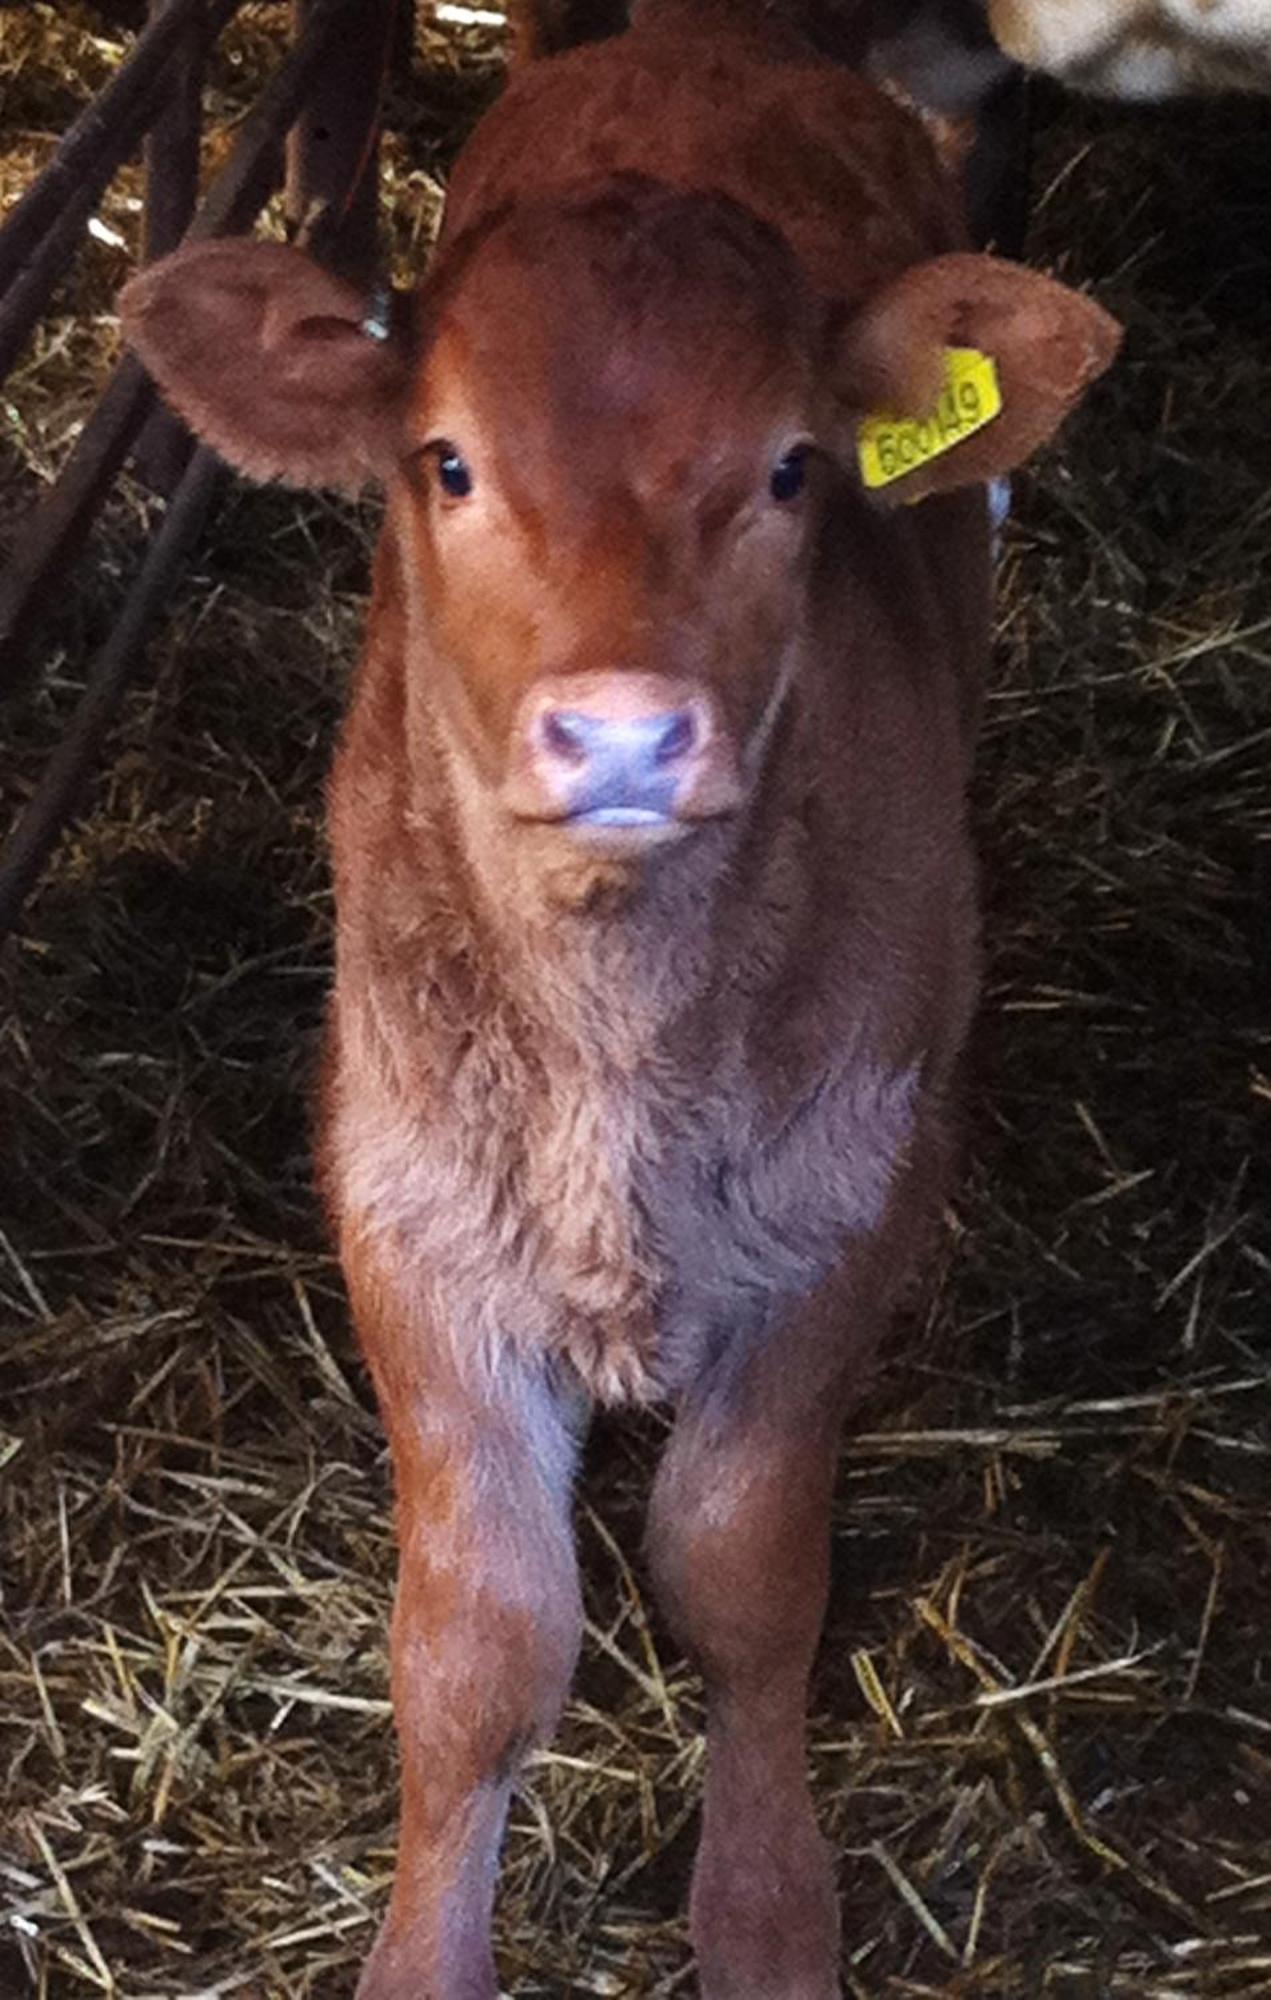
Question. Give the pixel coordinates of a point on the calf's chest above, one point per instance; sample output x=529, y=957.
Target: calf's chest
x=628, y=1222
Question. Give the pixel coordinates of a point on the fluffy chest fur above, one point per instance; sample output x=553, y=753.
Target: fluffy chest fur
x=604, y=1183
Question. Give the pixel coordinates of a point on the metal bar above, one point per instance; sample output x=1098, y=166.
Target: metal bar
x=45, y=229
x=47, y=540
x=401, y=59
x=172, y=191
x=94, y=136
x=172, y=144
x=333, y=147
x=251, y=173
x=36, y=832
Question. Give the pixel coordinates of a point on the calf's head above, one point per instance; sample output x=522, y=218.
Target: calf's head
x=608, y=426
x=605, y=506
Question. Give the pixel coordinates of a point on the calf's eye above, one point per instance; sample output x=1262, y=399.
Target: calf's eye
x=789, y=474
x=453, y=473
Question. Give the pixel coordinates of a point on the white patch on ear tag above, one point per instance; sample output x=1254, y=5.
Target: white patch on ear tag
x=890, y=447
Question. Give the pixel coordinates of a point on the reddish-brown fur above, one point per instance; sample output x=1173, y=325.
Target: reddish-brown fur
x=639, y=1114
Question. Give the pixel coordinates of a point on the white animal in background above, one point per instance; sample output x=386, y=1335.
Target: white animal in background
x=1140, y=48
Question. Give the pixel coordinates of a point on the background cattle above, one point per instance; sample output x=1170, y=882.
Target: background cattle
x=1140, y=48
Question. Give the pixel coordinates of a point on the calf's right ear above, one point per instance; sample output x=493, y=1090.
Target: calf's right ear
x=269, y=359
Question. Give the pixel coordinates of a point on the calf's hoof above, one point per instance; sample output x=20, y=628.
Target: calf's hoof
x=398, y=1970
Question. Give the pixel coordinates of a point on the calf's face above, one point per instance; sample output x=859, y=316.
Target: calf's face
x=605, y=510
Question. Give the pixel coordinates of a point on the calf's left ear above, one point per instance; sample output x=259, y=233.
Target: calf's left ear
x=1048, y=344
x=270, y=360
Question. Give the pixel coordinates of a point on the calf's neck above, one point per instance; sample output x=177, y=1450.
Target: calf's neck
x=657, y=936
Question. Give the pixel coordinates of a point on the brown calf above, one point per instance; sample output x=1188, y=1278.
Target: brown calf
x=657, y=932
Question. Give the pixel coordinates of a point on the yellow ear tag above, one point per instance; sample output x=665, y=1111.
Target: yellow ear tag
x=892, y=447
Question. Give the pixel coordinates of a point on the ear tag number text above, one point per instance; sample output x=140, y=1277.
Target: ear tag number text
x=891, y=447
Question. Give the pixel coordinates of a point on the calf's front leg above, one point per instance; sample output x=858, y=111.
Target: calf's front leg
x=486, y=1627
x=739, y=1544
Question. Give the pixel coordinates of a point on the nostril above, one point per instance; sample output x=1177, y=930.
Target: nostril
x=565, y=736
x=678, y=735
